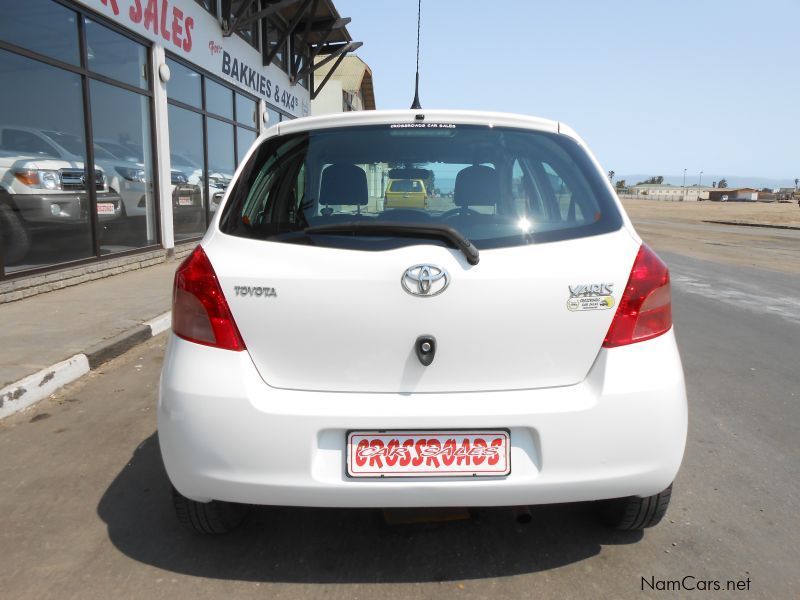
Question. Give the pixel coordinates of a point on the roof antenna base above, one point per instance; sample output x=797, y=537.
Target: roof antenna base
x=415, y=104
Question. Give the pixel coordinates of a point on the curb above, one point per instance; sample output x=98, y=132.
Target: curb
x=29, y=390
x=792, y=227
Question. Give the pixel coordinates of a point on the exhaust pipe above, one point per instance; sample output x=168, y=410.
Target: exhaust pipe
x=522, y=514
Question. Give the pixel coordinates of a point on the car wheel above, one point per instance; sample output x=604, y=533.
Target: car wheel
x=634, y=512
x=208, y=518
x=14, y=237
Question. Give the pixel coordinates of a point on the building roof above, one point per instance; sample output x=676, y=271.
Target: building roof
x=355, y=76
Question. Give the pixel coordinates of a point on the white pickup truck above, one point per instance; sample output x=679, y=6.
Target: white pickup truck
x=42, y=192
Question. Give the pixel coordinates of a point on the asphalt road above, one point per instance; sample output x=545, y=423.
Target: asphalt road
x=85, y=509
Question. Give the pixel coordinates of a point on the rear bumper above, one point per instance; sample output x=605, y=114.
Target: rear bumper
x=226, y=435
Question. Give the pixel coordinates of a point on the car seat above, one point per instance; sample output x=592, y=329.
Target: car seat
x=477, y=185
x=343, y=185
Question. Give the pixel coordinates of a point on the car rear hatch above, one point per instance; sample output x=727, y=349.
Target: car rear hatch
x=330, y=291
x=341, y=320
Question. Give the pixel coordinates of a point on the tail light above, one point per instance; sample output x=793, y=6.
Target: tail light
x=200, y=312
x=645, y=310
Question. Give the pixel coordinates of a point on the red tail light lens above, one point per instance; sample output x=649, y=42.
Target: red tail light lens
x=200, y=313
x=645, y=310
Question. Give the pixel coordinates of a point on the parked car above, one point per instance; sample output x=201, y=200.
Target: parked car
x=187, y=199
x=405, y=193
x=40, y=190
x=513, y=346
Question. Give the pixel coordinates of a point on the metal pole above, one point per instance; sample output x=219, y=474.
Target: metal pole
x=684, y=185
x=700, y=180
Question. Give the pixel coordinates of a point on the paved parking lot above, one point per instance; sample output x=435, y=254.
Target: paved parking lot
x=84, y=500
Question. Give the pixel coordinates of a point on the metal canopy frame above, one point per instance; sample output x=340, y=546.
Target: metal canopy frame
x=304, y=24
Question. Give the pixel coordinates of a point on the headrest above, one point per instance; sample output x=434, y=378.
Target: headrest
x=343, y=185
x=477, y=185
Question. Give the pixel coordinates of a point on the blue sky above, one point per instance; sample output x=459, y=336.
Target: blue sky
x=653, y=87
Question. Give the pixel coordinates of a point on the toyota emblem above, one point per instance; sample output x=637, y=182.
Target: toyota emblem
x=425, y=280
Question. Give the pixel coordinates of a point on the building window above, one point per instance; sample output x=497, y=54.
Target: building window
x=185, y=85
x=42, y=222
x=23, y=24
x=219, y=99
x=273, y=33
x=116, y=56
x=348, y=99
x=246, y=111
x=275, y=116
x=65, y=196
x=123, y=149
x=186, y=172
x=211, y=127
x=250, y=33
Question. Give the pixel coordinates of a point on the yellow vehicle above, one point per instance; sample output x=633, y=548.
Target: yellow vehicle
x=405, y=193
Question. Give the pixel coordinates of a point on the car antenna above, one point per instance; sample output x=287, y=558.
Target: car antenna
x=416, y=104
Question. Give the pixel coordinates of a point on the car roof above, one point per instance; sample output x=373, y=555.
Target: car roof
x=384, y=117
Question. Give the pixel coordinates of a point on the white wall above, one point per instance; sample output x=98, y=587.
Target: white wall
x=329, y=100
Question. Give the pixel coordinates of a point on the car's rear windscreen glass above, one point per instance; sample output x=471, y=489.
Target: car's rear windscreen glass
x=498, y=186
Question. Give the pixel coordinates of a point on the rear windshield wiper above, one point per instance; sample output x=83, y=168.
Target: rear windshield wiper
x=426, y=230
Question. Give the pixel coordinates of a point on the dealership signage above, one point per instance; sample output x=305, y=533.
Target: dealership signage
x=185, y=29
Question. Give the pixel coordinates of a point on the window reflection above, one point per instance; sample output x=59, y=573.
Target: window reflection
x=44, y=205
x=273, y=117
x=186, y=172
x=246, y=111
x=244, y=139
x=116, y=56
x=42, y=26
x=184, y=84
x=219, y=99
x=221, y=161
x=121, y=127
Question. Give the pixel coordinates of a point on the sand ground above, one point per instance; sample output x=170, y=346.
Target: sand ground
x=684, y=228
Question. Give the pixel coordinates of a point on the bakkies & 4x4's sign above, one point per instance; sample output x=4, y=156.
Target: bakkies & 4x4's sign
x=185, y=29
x=256, y=81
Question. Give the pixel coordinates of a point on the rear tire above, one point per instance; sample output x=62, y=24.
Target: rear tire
x=208, y=518
x=14, y=237
x=633, y=512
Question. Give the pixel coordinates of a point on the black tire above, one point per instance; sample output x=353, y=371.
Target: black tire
x=210, y=518
x=633, y=512
x=14, y=237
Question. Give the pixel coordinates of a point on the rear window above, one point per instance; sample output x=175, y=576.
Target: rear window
x=498, y=186
x=404, y=185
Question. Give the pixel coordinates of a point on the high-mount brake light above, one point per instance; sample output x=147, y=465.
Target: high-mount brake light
x=200, y=313
x=645, y=310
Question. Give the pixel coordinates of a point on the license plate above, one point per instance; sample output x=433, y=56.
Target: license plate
x=428, y=453
x=185, y=200
x=105, y=208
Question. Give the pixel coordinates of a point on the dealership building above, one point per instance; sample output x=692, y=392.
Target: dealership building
x=123, y=121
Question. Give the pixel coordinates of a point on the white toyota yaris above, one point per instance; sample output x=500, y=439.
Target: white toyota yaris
x=510, y=343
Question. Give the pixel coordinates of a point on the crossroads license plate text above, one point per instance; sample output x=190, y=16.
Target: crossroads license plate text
x=428, y=453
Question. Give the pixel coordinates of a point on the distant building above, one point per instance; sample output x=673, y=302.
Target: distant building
x=665, y=191
x=693, y=193
x=348, y=87
x=733, y=194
